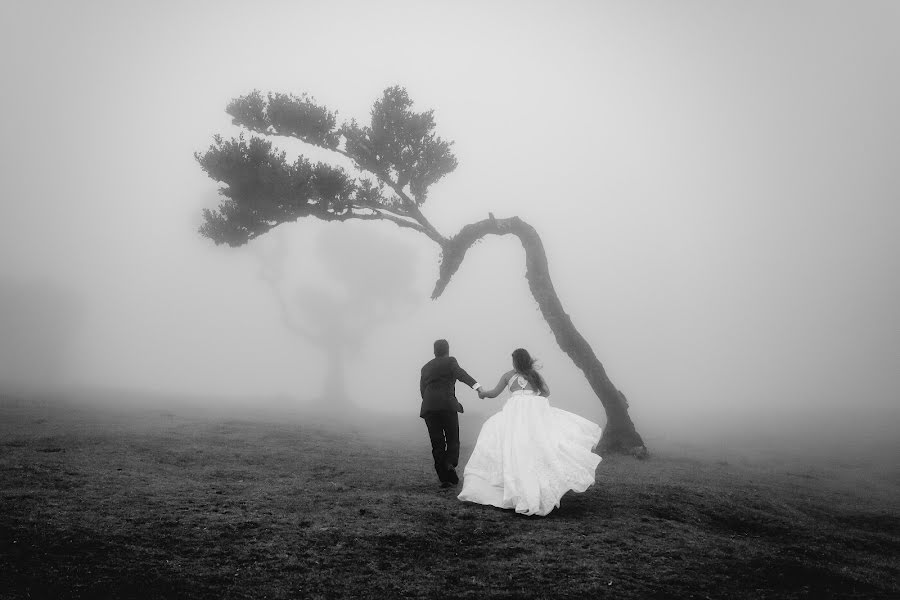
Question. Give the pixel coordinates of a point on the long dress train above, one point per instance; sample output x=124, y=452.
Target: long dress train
x=529, y=454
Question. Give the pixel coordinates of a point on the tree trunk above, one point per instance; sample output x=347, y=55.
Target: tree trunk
x=335, y=385
x=619, y=435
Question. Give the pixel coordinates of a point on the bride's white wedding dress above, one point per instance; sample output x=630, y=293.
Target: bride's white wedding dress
x=529, y=454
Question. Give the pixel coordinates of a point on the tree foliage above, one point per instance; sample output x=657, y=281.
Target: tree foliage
x=262, y=189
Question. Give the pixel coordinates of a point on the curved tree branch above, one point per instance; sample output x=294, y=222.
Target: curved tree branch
x=430, y=230
x=620, y=433
x=381, y=215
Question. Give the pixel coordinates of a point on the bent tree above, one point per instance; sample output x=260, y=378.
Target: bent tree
x=398, y=157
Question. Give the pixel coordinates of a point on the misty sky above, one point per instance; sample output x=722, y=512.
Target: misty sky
x=716, y=185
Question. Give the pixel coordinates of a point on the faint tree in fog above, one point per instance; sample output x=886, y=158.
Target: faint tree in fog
x=399, y=157
x=369, y=283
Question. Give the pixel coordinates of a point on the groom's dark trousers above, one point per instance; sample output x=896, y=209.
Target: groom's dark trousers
x=443, y=429
x=437, y=386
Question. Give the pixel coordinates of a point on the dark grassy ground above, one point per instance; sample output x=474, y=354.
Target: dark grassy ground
x=143, y=504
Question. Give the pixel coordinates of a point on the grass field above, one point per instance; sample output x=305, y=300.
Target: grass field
x=181, y=504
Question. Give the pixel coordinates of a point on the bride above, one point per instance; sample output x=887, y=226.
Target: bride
x=529, y=454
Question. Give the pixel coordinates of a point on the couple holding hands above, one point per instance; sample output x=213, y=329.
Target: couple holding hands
x=527, y=455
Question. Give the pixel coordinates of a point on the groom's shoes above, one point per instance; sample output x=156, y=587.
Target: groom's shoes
x=451, y=475
x=446, y=484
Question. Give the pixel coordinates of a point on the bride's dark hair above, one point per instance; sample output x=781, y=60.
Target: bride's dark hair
x=524, y=364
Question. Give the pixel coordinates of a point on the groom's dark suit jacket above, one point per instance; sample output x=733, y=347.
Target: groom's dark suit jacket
x=438, y=384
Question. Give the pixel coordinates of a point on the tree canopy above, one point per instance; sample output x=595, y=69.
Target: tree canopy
x=263, y=188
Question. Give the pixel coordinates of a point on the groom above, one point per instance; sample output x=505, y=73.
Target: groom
x=437, y=386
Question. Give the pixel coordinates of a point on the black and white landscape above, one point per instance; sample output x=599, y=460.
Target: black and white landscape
x=232, y=231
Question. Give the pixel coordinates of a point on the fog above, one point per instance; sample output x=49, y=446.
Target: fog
x=715, y=184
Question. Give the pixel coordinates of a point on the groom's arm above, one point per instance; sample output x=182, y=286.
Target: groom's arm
x=461, y=375
x=501, y=385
